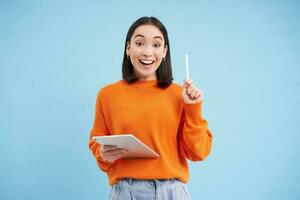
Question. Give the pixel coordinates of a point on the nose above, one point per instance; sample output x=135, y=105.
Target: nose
x=147, y=51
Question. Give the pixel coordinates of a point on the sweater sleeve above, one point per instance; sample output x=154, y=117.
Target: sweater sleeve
x=99, y=128
x=194, y=136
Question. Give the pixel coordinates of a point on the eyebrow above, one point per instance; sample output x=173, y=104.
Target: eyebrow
x=156, y=37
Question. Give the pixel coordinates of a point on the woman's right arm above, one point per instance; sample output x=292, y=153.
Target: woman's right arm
x=99, y=129
x=105, y=155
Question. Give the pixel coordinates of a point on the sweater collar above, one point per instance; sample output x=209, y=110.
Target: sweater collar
x=146, y=82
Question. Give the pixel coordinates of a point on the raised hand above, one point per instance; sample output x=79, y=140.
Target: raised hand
x=191, y=94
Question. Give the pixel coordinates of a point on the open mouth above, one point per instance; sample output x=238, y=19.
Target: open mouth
x=147, y=62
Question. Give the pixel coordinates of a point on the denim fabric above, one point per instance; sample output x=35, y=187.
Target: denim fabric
x=133, y=189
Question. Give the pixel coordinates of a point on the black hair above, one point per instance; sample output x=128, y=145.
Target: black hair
x=164, y=71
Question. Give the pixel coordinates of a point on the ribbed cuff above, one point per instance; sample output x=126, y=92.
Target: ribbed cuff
x=193, y=111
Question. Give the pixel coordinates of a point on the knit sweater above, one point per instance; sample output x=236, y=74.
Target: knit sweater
x=160, y=119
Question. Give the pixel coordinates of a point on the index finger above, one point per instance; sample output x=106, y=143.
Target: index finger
x=187, y=83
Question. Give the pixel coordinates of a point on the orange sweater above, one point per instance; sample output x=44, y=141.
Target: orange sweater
x=159, y=118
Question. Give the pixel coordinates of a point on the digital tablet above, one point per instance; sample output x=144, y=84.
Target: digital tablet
x=136, y=148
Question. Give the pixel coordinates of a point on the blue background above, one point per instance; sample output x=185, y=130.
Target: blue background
x=56, y=55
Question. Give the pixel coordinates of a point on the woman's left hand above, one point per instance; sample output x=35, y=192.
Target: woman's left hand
x=191, y=94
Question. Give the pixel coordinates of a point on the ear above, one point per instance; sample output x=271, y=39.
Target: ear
x=165, y=50
x=127, y=48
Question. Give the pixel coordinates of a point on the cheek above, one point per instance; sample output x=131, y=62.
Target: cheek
x=135, y=53
x=160, y=53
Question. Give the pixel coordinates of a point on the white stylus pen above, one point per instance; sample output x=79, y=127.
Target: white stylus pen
x=187, y=73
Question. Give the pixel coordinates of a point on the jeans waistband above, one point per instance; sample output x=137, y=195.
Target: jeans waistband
x=130, y=181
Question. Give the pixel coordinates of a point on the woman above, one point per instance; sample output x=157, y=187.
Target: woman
x=163, y=115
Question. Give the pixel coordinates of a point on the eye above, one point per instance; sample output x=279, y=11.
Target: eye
x=157, y=45
x=138, y=44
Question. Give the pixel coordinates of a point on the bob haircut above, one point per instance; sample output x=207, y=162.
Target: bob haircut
x=164, y=71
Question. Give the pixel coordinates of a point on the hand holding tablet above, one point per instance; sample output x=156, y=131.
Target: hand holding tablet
x=126, y=146
x=111, y=153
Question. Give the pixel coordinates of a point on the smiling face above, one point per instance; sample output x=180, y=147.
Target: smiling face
x=146, y=50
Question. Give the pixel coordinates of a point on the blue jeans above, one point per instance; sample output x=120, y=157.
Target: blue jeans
x=160, y=189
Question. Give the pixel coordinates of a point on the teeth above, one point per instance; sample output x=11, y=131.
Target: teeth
x=147, y=61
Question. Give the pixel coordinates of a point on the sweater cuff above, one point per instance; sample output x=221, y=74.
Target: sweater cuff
x=193, y=111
